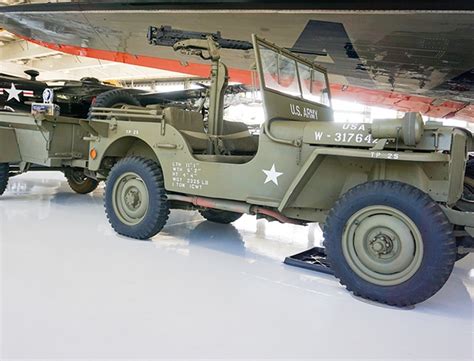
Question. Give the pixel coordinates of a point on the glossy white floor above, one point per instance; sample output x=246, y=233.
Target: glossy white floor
x=71, y=288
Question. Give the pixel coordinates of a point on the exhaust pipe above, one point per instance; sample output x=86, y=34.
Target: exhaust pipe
x=232, y=206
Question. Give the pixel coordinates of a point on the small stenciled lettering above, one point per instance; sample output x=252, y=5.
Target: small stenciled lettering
x=345, y=137
x=310, y=113
x=187, y=175
x=354, y=126
x=295, y=110
x=358, y=138
x=305, y=112
x=132, y=132
x=385, y=155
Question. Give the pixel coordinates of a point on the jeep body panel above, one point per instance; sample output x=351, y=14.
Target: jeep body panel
x=44, y=140
x=308, y=177
x=10, y=152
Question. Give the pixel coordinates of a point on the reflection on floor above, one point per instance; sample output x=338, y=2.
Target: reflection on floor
x=72, y=288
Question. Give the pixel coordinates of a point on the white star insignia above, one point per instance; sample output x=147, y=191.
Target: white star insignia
x=13, y=93
x=272, y=175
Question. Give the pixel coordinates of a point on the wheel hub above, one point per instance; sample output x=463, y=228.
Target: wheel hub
x=382, y=245
x=133, y=198
x=130, y=198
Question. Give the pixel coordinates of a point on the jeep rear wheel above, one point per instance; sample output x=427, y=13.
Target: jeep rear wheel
x=390, y=242
x=219, y=216
x=470, y=168
x=79, y=182
x=4, y=176
x=460, y=256
x=461, y=243
x=135, y=198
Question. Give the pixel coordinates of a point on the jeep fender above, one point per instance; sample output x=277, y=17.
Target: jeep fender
x=385, y=159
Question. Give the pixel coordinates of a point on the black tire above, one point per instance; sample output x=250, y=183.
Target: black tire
x=114, y=98
x=470, y=168
x=466, y=203
x=151, y=179
x=460, y=256
x=437, y=242
x=468, y=191
x=4, y=176
x=79, y=182
x=468, y=194
x=219, y=216
x=464, y=240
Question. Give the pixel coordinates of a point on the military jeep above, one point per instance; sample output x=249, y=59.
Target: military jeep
x=389, y=194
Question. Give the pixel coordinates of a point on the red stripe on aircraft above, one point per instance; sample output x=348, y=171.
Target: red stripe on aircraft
x=201, y=70
x=380, y=98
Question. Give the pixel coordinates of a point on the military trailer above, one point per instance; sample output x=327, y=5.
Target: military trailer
x=389, y=194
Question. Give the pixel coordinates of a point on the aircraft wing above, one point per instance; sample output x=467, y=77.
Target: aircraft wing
x=405, y=60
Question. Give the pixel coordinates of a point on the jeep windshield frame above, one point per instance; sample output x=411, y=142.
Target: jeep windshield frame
x=285, y=73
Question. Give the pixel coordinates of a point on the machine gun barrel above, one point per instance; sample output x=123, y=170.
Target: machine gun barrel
x=167, y=36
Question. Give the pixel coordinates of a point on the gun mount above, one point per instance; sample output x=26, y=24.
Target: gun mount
x=197, y=43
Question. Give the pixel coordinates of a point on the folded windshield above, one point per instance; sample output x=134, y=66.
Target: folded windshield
x=289, y=76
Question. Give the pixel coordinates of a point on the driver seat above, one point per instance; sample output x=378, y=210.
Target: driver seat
x=236, y=138
x=243, y=143
x=188, y=122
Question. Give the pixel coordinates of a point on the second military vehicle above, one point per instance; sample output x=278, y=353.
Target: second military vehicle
x=388, y=194
x=75, y=97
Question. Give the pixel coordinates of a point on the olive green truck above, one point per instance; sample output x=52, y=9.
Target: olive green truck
x=393, y=196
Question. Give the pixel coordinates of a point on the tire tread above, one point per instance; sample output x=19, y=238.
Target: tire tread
x=432, y=211
x=4, y=176
x=160, y=214
x=109, y=98
x=89, y=185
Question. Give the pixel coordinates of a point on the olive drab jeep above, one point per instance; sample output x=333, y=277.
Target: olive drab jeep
x=389, y=195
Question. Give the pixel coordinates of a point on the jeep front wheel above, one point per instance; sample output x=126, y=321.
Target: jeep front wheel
x=389, y=242
x=135, y=198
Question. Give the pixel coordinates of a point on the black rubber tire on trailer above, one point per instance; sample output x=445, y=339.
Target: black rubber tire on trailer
x=135, y=198
x=4, y=176
x=219, y=216
x=415, y=226
x=114, y=98
x=79, y=182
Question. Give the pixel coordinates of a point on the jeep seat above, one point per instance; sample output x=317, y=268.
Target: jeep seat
x=188, y=121
x=243, y=144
